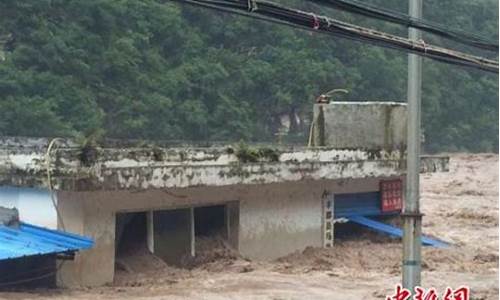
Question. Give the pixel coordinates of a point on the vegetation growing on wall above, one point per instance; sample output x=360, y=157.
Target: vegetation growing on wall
x=248, y=154
x=150, y=70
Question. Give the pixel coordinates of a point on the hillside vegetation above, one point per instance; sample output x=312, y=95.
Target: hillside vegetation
x=149, y=69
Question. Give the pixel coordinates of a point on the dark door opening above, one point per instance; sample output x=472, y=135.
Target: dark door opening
x=173, y=230
x=348, y=230
x=210, y=221
x=132, y=251
x=211, y=231
x=184, y=237
x=131, y=233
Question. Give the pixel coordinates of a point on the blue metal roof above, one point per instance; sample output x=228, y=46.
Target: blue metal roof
x=394, y=231
x=27, y=240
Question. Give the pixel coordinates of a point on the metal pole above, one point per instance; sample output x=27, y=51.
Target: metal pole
x=412, y=219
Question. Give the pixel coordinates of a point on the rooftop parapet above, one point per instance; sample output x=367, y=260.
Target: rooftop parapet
x=77, y=168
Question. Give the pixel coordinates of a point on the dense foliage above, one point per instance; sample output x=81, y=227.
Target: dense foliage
x=151, y=70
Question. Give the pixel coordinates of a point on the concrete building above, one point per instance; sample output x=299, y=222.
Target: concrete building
x=267, y=201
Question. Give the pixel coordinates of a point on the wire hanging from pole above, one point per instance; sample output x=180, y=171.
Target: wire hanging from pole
x=49, y=181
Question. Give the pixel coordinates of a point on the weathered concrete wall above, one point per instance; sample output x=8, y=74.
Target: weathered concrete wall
x=159, y=168
x=360, y=125
x=434, y=163
x=136, y=169
x=274, y=219
x=278, y=219
x=89, y=218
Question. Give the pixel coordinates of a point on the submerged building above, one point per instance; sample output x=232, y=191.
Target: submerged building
x=266, y=201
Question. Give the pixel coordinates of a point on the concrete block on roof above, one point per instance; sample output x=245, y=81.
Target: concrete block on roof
x=360, y=125
x=9, y=216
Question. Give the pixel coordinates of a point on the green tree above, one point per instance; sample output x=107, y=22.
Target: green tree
x=151, y=70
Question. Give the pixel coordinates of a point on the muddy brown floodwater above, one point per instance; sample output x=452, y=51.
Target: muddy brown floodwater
x=460, y=207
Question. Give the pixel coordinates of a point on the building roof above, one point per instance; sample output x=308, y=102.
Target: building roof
x=28, y=240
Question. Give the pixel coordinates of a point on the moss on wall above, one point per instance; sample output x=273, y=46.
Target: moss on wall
x=246, y=154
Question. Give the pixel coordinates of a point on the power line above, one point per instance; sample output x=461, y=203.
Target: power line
x=375, y=12
x=310, y=21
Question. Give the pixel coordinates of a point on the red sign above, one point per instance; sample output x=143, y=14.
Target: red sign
x=462, y=293
x=391, y=195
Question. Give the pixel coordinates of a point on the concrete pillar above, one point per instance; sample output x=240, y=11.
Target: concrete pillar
x=233, y=224
x=150, y=231
x=173, y=234
x=93, y=267
x=193, y=233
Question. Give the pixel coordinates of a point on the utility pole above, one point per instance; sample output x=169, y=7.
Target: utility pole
x=412, y=218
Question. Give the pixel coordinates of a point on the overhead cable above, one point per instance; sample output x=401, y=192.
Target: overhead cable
x=273, y=12
x=375, y=12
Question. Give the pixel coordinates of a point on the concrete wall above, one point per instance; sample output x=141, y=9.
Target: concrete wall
x=360, y=156
x=34, y=205
x=81, y=215
x=360, y=125
x=274, y=219
x=278, y=219
x=147, y=168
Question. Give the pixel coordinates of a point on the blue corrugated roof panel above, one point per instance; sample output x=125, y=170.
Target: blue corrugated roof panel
x=394, y=231
x=27, y=240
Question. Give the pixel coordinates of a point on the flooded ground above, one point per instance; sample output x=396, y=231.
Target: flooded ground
x=460, y=207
